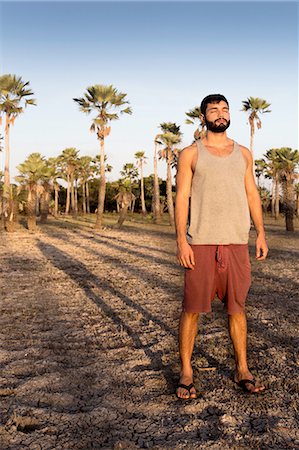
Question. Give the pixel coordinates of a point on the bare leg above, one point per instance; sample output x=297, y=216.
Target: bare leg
x=187, y=334
x=237, y=325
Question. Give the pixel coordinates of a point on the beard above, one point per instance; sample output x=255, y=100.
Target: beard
x=220, y=128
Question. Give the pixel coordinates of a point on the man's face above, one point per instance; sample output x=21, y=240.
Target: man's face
x=217, y=118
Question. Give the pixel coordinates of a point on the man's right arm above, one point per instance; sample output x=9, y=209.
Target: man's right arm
x=185, y=254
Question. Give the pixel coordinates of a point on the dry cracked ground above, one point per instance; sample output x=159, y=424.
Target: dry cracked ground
x=89, y=355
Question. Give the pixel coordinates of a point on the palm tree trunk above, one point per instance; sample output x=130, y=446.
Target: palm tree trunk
x=156, y=196
x=6, y=198
x=87, y=198
x=142, y=190
x=68, y=195
x=83, y=198
x=276, y=197
x=31, y=209
x=44, y=206
x=126, y=199
x=56, y=201
x=75, y=210
x=251, y=146
x=7, y=158
x=102, y=187
x=251, y=141
x=72, y=193
x=273, y=198
x=289, y=205
x=169, y=194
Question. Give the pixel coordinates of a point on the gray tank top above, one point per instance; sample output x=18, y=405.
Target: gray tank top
x=219, y=212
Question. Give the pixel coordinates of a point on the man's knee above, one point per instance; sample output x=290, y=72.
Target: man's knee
x=190, y=316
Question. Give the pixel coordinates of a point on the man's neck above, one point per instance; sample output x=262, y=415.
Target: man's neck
x=216, y=139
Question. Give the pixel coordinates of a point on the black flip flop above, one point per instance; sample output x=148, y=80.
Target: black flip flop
x=242, y=385
x=188, y=388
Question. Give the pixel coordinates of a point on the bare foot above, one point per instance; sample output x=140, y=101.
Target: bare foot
x=189, y=390
x=247, y=382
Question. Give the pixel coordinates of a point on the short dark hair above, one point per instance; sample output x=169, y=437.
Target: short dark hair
x=213, y=98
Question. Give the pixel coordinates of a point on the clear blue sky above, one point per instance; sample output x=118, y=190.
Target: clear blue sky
x=165, y=55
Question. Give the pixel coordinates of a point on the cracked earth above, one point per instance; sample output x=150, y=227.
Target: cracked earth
x=89, y=354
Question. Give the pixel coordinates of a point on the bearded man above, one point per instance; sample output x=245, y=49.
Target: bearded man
x=218, y=172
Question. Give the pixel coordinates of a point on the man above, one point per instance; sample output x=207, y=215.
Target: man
x=219, y=175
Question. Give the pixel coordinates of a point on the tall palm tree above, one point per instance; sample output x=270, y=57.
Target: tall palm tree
x=156, y=194
x=140, y=156
x=15, y=95
x=288, y=161
x=96, y=168
x=273, y=172
x=54, y=167
x=68, y=163
x=108, y=104
x=170, y=137
x=194, y=115
x=85, y=173
x=33, y=172
x=255, y=106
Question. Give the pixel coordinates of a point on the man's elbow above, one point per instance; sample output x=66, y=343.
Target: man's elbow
x=253, y=197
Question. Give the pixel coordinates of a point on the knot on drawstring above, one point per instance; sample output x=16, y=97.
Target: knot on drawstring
x=219, y=257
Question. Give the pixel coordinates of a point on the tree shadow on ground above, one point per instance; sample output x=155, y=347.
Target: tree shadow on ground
x=87, y=281
x=155, y=280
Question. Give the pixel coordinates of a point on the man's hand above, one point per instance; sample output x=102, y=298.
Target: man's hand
x=185, y=256
x=261, y=247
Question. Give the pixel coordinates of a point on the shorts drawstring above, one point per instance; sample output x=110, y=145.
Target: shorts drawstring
x=220, y=257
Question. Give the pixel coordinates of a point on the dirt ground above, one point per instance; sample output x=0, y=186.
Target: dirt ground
x=89, y=354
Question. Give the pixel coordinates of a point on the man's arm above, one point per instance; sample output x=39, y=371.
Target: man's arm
x=185, y=254
x=255, y=207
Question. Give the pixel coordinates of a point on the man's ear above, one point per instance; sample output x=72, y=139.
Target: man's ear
x=202, y=119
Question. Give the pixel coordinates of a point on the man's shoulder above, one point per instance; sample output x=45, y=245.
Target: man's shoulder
x=246, y=152
x=188, y=152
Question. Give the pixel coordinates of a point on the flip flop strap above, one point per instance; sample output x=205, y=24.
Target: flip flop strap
x=184, y=386
x=243, y=382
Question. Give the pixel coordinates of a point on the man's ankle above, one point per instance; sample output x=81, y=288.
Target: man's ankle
x=186, y=372
x=241, y=369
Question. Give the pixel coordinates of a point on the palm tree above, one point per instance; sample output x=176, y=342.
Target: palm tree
x=33, y=172
x=140, y=156
x=45, y=195
x=265, y=198
x=96, y=169
x=273, y=172
x=170, y=137
x=297, y=198
x=55, y=174
x=194, y=115
x=125, y=196
x=156, y=195
x=14, y=98
x=107, y=102
x=260, y=167
x=255, y=106
x=85, y=172
x=288, y=161
x=68, y=162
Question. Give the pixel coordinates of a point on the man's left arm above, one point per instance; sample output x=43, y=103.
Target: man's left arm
x=255, y=207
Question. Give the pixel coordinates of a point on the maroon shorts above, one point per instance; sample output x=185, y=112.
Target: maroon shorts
x=222, y=270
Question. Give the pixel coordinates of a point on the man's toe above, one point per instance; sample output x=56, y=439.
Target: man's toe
x=183, y=393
